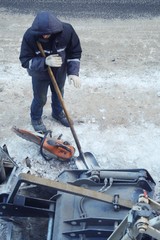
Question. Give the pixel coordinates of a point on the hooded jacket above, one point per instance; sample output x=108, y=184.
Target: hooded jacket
x=63, y=41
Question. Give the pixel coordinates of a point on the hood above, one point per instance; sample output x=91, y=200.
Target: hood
x=46, y=23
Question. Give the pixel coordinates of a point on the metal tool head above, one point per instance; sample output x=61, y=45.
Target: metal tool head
x=87, y=161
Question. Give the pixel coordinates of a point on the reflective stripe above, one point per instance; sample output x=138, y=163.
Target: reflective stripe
x=46, y=51
x=73, y=60
x=61, y=49
x=30, y=64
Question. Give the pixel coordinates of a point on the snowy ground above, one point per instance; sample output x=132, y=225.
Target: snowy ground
x=116, y=111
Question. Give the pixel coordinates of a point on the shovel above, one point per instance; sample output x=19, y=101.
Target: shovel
x=84, y=160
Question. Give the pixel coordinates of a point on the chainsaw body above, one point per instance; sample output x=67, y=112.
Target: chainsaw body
x=60, y=149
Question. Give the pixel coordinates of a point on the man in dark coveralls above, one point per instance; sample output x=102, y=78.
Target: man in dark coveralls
x=63, y=52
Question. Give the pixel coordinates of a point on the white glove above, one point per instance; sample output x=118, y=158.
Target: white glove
x=53, y=60
x=75, y=79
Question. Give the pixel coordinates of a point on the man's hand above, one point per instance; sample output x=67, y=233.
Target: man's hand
x=75, y=79
x=53, y=60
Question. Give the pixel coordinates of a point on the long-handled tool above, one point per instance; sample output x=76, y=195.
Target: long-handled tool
x=87, y=158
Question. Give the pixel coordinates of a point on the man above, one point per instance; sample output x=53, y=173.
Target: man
x=63, y=52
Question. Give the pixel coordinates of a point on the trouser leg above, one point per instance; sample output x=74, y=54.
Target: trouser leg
x=40, y=89
x=55, y=104
x=57, y=109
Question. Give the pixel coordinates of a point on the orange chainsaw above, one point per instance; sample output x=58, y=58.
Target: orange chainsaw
x=60, y=150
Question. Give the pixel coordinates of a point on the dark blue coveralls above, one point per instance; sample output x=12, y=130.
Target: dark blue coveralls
x=63, y=41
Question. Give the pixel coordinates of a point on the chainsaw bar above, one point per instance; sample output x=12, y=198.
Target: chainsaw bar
x=62, y=150
x=29, y=136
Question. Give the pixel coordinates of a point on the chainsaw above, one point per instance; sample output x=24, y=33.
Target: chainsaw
x=60, y=149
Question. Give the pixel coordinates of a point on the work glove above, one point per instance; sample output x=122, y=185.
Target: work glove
x=75, y=80
x=53, y=60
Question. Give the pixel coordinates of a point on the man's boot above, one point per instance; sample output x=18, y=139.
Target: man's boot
x=39, y=126
x=61, y=118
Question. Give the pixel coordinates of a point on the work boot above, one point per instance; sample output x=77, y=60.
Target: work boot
x=38, y=126
x=61, y=118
